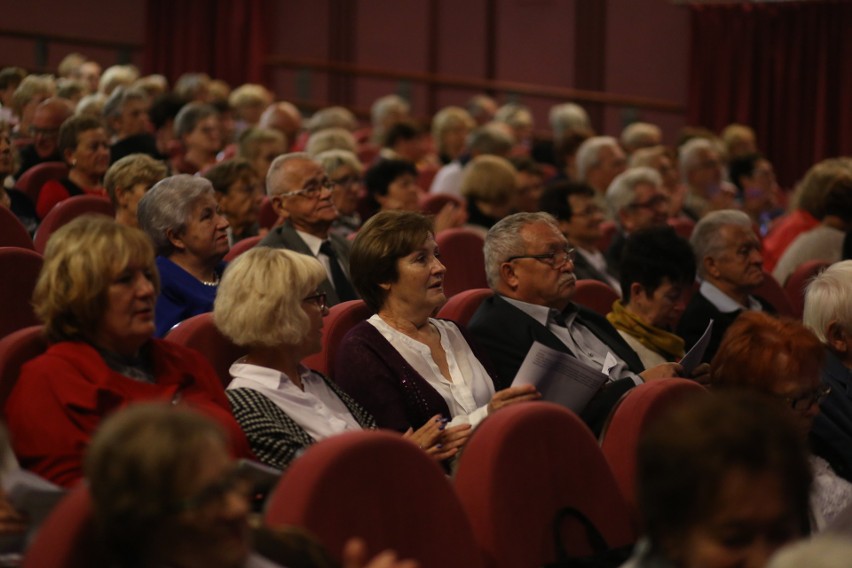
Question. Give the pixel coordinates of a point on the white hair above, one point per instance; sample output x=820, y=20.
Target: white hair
x=828, y=298
x=640, y=135
x=689, y=153
x=588, y=154
x=566, y=118
x=622, y=191
x=706, y=239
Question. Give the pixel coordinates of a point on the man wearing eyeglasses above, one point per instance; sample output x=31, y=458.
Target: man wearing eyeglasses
x=44, y=129
x=529, y=265
x=636, y=201
x=301, y=192
x=730, y=266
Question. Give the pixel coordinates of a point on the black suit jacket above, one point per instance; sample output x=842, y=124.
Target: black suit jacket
x=831, y=435
x=583, y=270
x=506, y=333
x=285, y=236
x=698, y=313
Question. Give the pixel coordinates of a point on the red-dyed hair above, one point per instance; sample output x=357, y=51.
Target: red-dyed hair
x=759, y=350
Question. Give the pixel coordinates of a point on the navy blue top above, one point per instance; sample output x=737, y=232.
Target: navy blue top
x=182, y=295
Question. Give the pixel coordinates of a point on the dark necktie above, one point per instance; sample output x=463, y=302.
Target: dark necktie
x=557, y=318
x=338, y=277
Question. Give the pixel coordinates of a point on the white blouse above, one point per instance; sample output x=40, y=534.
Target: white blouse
x=317, y=409
x=471, y=388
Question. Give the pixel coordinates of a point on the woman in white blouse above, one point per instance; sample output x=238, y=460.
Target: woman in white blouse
x=403, y=365
x=267, y=301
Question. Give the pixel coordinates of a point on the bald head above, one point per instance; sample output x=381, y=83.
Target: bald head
x=284, y=117
x=47, y=119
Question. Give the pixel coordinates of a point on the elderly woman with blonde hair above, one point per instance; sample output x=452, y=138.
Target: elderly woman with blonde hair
x=269, y=303
x=127, y=180
x=490, y=187
x=96, y=295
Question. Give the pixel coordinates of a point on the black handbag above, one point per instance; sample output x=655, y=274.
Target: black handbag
x=602, y=557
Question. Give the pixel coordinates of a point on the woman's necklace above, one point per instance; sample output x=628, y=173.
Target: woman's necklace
x=214, y=282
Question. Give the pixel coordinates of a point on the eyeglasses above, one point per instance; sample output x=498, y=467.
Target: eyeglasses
x=213, y=496
x=805, y=401
x=313, y=190
x=652, y=203
x=555, y=260
x=347, y=182
x=319, y=299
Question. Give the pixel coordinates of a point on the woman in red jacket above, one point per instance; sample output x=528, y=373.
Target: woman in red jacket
x=96, y=296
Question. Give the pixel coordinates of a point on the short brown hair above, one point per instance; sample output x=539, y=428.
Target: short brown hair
x=71, y=129
x=384, y=238
x=80, y=262
x=224, y=174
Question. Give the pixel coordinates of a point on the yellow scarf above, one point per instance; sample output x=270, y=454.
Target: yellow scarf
x=656, y=339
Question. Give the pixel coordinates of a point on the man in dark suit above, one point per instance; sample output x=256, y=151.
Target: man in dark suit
x=730, y=266
x=529, y=265
x=827, y=315
x=301, y=192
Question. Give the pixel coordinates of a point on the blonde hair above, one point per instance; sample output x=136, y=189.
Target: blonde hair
x=80, y=263
x=490, y=179
x=131, y=170
x=259, y=301
x=828, y=298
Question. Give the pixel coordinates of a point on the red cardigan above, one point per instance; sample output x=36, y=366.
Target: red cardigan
x=62, y=396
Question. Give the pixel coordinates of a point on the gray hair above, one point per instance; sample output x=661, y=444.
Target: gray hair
x=490, y=139
x=120, y=97
x=504, y=240
x=515, y=115
x=332, y=117
x=566, y=118
x=250, y=141
x=706, y=237
x=167, y=206
x=689, y=153
x=640, y=135
x=646, y=156
x=190, y=115
x=622, y=191
x=331, y=139
x=332, y=159
x=588, y=154
x=828, y=298
x=277, y=166
x=386, y=105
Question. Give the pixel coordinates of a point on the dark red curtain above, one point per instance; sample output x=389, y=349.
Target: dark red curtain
x=783, y=68
x=224, y=38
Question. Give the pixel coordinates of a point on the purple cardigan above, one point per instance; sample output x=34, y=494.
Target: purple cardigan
x=374, y=373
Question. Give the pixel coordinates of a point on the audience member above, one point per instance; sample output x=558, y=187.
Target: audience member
x=450, y=128
x=260, y=146
x=197, y=128
x=332, y=117
x=824, y=242
x=702, y=171
x=10, y=80
x=11, y=198
x=193, y=87
x=485, y=140
x=659, y=158
x=239, y=195
x=269, y=304
x=44, y=128
x=330, y=139
x=490, y=187
x=807, y=207
x=756, y=188
x=529, y=264
x=249, y=101
x=640, y=135
x=403, y=365
x=783, y=360
x=190, y=237
x=529, y=184
x=384, y=113
x=162, y=114
x=95, y=295
x=392, y=186
x=721, y=481
x=520, y=121
x=117, y=76
x=31, y=92
x=345, y=172
x=636, y=201
x=127, y=180
x=482, y=109
x=126, y=115
x=599, y=160
x=579, y=219
x=285, y=118
x=301, y=192
x=405, y=140
x=166, y=492
x=739, y=140
x=567, y=120
x=730, y=266
x=828, y=313
x=84, y=147
x=657, y=266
